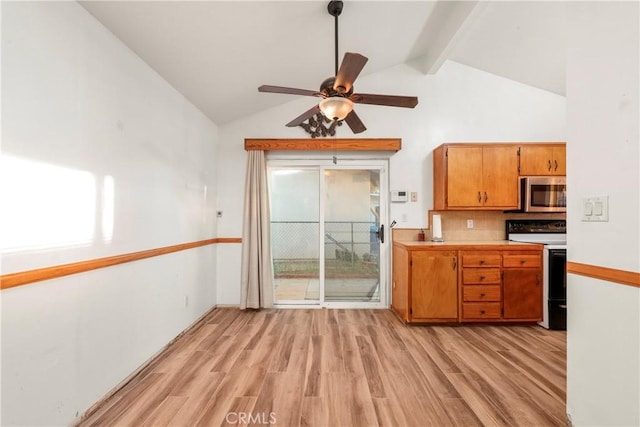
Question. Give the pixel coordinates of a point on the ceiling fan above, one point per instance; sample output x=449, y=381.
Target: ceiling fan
x=337, y=92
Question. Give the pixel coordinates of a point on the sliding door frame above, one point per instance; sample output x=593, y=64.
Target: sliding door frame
x=364, y=162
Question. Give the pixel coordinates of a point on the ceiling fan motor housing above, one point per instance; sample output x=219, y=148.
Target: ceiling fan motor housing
x=327, y=89
x=335, y=8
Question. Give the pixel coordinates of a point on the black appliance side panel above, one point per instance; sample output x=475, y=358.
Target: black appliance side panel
x=558, y=274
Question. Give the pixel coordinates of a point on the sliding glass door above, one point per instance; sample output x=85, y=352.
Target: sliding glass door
x=295, y=234
x=327, y=224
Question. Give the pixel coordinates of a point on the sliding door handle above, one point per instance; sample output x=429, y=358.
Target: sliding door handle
x=381, y=233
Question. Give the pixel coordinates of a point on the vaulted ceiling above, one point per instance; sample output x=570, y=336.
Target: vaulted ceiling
x=217, y=53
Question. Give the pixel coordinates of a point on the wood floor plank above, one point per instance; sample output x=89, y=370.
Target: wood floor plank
x=363, y=411
x=126, y=401
x=371, y=367
x=344, y=368
x=165, y=411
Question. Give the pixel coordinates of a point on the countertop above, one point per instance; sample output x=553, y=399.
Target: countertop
x=498, y=245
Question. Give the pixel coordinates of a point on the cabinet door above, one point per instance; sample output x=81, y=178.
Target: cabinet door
x=543, y=160
x=559, y=160
x=434, y=290
x=464, y=177
x=536, y=160
x=522, y=294
x=500, y=177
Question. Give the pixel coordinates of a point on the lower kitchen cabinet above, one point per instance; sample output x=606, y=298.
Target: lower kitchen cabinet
x=432, y=284
x=480, y=281
x=434, y=290
x=522, y=289
x=425, y=285
x=501, y=286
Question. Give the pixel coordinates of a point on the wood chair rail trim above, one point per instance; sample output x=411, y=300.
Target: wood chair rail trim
x=30, y=276
x=329, y=144
x=622, y=277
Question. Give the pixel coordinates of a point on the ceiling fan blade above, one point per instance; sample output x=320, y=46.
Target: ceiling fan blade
x=352, y=64
x=288, y=90
x=304, y=116
x=389, y=100
x=354, y=122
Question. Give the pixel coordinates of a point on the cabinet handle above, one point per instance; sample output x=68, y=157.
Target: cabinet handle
x=481, y=261
x=454, y=262
x=479, y=197
x=482, y=312
x=549, y=166
x=486, y=197
x=481, y=277
x=555, y=162
x=482, y=295
x=522, y=261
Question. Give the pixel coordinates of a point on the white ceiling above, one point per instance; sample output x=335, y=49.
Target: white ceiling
x=217, y=53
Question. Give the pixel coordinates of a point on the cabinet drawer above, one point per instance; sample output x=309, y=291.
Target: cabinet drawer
x=481, y=260
x=481, y=293
x=480, y=310
x=480, y=275
x=522, y=261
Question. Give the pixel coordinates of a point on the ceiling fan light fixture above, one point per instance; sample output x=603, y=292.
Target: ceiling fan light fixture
x=336, y=107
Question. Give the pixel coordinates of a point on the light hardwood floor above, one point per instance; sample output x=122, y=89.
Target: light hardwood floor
x=345, y=368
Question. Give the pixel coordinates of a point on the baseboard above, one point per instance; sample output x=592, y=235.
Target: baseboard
x=96, y=406
x=227, y=305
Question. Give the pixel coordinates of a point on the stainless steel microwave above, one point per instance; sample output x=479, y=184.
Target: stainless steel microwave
x=543, y=194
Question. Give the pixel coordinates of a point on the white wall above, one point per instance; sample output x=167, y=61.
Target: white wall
x=603, y=158
x=80, y=109
x=458, y=104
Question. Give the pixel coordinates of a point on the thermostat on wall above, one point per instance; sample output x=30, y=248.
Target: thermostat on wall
x=399, y=196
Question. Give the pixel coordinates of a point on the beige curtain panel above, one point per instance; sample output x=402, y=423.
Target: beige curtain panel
x=257, y=270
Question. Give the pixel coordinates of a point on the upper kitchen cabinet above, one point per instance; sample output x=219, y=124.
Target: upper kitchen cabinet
x=543, y=159
x=475, y=176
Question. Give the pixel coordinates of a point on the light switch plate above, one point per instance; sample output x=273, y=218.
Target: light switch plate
x=595, y=209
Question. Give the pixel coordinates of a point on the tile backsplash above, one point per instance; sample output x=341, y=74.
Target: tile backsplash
x=487, y=225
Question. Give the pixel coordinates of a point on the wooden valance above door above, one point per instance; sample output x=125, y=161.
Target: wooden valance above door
x=311, y=144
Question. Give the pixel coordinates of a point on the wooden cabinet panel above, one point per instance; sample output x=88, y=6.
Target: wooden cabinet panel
x=464, y=176
x=481, y=293
x=500, y=177
x=400, y=283
x=434, y=292
x=480, y=275
x=522, y=294
x=481, y=259
x=479, y=311
x=425, y=284
x=560, y=160
x=543, y=159
x=522, y=261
